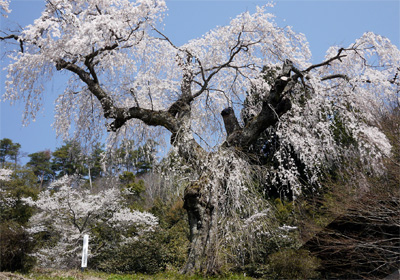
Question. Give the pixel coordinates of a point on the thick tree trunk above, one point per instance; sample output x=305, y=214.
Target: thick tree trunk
x=201, y=198
x=202, y=208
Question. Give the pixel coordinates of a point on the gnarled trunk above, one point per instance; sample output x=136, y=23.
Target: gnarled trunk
x=202, y=208
x=201, y=198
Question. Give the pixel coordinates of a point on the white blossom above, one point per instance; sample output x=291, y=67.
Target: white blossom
x=71, y=212
x=5, y=174
x=138, y=66
x=5, y=7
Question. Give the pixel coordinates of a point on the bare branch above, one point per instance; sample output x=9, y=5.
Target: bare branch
x=335, y=76
x=15, y=37
x=164, y=37
x=339, y=56
x=120, y=115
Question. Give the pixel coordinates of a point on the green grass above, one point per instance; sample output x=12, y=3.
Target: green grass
x=49, y=274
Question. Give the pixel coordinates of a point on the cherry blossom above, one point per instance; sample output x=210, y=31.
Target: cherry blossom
x=70, y=212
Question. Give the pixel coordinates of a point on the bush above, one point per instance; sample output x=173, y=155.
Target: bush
x=142, y=256
x=167, y=246
x=15, y=247
x=292, y=264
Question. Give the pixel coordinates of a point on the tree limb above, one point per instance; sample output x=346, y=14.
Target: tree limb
x=335, y=76
x=328, y=61
x=274, y=106
x=120, y=115
x=17, y=38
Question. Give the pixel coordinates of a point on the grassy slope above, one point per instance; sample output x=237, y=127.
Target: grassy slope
x=93, y=275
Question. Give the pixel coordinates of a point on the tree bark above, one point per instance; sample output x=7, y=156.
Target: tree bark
x=201, y=206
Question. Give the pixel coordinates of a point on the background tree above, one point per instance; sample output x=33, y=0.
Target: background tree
x=121, y=79
x=21, y=184
x=16, y=243
x=65, y=215
x=68, y=160
x=94, y=162
x=9, y=151
x=138, y=160
x=41, y=166
x=134, y=187
x=145, y=157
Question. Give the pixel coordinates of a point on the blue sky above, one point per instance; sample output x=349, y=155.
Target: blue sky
x=324, y=23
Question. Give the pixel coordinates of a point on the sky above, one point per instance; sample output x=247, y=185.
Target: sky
x=325, y=23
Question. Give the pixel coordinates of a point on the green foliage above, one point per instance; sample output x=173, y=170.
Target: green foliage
x=284, y=211
x=154, y=252
x=22, y=185
x=15, y=247
x=292, y=264
x=15, y=242
x=67, y=160
x=135, y=189
x=129, y=182
x=139, y=161
x=175, y=235
x=94, y=164
x=40, y=165
x=144, y=256
x=8, y=151
x=144, y=157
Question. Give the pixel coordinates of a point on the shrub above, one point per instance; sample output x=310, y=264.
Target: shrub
x=142, y=256
x=15, y=247
x=292, y=264
x=167, y=246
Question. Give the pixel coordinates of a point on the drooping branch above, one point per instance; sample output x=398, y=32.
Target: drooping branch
x=206, y=74
x=234, y=51
x=172, y=119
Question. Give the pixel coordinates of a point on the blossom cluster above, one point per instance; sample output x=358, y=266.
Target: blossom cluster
x=70, y=212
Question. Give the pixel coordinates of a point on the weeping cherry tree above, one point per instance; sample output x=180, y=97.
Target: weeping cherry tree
x=125, y=74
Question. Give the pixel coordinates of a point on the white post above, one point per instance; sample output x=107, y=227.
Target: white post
x=85, y=251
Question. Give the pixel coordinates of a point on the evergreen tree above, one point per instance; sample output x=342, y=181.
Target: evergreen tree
x=9, y=151
x=94, y=162
x=67, y=160
x=40, y=164
x=139, y=161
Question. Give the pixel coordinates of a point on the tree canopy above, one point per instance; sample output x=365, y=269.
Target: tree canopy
x=96, y=40
x=8, y=151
